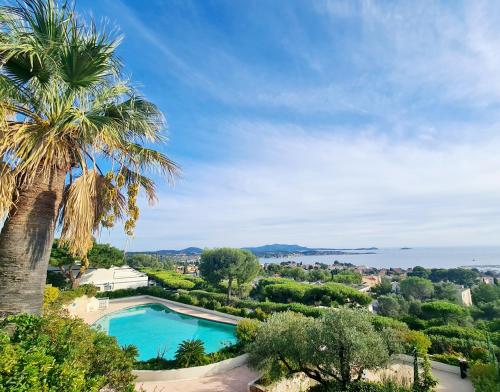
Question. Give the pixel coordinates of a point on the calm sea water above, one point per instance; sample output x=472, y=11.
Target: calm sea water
x=395, y=257
x=154, y=329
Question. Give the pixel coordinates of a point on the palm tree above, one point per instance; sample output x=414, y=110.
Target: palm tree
x=72, y=143
x=190, y=353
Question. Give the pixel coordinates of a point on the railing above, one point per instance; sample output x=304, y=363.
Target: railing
x=103, y=303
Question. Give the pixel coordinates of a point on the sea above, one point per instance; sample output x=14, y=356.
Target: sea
x=435, y=257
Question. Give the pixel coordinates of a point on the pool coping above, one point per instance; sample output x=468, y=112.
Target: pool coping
x=190, y=310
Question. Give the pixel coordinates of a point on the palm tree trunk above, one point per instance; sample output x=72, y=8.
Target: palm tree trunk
x=25, y=243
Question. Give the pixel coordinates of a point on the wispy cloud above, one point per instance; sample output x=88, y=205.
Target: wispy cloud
x=326, y=190
x=340, y=123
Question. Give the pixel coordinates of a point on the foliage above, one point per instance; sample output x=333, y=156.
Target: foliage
x=246, y=330
x=383, y=288
x=99, y=256
x=485, y=293
x=426, y=381
x=174, y=280
x=467, y=347
x=450, y=359
x=415, y=287
x=446, y=291
x=418, y=340
x=295, y=273
x=340, y=344
x=50, y=295
x=361, y=386
x=160, y=363
x=347, y=277
x=454, y=331
x=318, y=275
x=190, y=353
x=105, y=256
x=381, y=322
x=419, y=272
x=155, y=262
x=462, y=276
x=65, y=106
x=56, y=279
x=228, y=263
x=388, y=305
x=54, y=353
x=286, y=290
x=446, y=311
x=485, y=377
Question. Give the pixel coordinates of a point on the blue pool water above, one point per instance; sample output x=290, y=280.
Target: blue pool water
x=153, y=329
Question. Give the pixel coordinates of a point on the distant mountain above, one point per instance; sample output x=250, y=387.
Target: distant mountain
x=277, y=248
x=272, y=250
x=186, y=251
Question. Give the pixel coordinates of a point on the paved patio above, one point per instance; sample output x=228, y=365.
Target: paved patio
x=448, y=382
x=235, y=380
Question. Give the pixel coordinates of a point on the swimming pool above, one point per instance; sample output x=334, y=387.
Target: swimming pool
x=154, y=329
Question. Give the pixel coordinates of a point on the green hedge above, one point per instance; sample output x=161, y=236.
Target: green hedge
x=286, y=290
x=472, y=349
x=174, y=280
x=213, y=301
x=453, y=331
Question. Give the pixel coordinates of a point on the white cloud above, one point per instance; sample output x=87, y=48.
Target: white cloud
x=324, y=190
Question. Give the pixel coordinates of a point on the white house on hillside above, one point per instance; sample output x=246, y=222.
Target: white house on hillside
x=115, y=278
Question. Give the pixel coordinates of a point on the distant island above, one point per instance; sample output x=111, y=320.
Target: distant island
x=273, y=250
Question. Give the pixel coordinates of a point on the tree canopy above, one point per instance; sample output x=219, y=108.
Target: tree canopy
x=229, y=264
x=99, y=256
x=340, y=346
x=418, y=288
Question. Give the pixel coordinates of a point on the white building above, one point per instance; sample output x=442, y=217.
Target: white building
x=114, y=278
x=465, y=296
x=487, y=280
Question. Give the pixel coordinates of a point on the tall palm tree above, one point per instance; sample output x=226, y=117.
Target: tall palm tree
x=72, y=143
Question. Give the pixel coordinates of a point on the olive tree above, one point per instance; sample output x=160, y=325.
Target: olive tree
x=336, y=347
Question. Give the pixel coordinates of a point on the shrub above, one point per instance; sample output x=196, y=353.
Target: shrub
x=380, y=322
x=173, y=280
x=361, y=386
x=417, y=339
x=446, y=311
x=246, y=330
x=453, y=331
x=485, y=377
x=450, y=359
x=190, y=353
x=443, y=344
x=50, y=295
x=54, y=353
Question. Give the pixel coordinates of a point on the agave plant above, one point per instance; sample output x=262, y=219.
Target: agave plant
x=73, y=136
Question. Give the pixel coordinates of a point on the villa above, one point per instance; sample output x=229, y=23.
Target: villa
x=115, y=278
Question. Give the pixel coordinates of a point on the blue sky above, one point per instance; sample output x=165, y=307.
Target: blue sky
x=324, y=123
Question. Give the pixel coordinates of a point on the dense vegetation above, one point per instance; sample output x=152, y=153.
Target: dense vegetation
x=334, y=350
x=174, y=280
x=55, y=353
x=286, y=290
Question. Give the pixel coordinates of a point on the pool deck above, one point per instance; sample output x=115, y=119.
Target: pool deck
x=123, y=303
x=235, y=380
